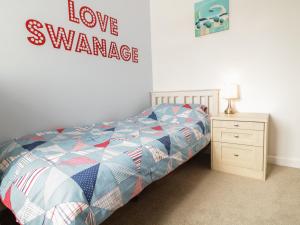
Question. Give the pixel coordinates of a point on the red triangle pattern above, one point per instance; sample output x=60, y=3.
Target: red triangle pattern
x=6, y=200
x=103, y=145
x=60, y=130
x=187, y=106
x=157, y=128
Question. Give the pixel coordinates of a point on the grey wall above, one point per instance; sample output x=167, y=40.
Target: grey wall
x=42, y=87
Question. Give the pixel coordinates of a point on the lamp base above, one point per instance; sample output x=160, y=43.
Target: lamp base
x=229, y=109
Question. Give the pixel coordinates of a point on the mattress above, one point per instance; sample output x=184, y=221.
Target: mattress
x=82, y=175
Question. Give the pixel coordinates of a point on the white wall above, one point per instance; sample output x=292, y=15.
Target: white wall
x=261, y=52
x=43, y=87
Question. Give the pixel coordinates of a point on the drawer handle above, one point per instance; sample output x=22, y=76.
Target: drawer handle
x=236, y=136
x=236, y=155
x=236, y=125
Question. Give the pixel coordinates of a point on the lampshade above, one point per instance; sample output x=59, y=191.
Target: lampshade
x=230, y=91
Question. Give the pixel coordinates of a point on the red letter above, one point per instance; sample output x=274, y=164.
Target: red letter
x=38, y=38
x=60, y=37
x=71, y=8
x=114, y=26
x=102, y=21
x=113, y=51
x=99, y=46
x=83, y=12
x=125, y=53
x=83, y=44
x=135, y=55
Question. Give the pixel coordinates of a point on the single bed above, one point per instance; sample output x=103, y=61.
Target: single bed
x=82, y=175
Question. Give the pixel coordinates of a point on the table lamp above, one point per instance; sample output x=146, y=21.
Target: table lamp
x=230, y=92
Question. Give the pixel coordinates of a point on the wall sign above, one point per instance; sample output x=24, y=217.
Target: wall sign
x=70, y=40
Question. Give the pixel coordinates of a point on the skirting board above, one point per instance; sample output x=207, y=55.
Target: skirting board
x=280, y=161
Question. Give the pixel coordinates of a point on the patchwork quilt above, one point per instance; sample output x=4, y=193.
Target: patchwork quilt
x=82, y=175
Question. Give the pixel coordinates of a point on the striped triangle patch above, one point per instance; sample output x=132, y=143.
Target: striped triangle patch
x=54, y=158
x=29, y=212
x=6, y=162
x=187, y=134
x=178, y=157
x=120, y=172
x=90, y=219
x=109, y=154
x=197, y=133
x=136, y=156
x=111, y=201
x=157, y=154
x=65, y=214
x=25, y=183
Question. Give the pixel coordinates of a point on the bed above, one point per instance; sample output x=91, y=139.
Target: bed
x=82, y=175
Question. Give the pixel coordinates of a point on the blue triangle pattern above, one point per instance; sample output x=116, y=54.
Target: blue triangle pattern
x=201, y=125
x=166, y=141
x=86, y=179
x=33, y=145
x=153, y=116
x=111, y=129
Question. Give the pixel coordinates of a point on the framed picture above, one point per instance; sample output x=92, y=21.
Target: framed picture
x=211, y=16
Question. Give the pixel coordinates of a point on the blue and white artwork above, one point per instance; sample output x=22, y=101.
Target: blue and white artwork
x=211, y=16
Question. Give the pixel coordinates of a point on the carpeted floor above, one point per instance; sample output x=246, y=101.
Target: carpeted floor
x=195, y=195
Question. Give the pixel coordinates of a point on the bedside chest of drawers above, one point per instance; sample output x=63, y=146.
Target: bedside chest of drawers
x=240, y=144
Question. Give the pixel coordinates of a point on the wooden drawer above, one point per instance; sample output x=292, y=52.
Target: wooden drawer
x=238, y=125
x=237, y=136
x=248, y=157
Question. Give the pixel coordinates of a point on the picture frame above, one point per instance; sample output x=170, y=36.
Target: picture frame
x=211, y=16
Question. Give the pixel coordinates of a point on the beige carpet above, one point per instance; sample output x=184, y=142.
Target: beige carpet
x=195, y=195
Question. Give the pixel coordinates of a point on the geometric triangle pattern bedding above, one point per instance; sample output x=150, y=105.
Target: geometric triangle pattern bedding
x=81, y=175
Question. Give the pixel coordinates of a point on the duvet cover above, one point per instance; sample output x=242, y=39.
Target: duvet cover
x=82, y=175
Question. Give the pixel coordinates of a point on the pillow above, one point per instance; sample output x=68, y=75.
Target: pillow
x=177, y=113
x=179, y=108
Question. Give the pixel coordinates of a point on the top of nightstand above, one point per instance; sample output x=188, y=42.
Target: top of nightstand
x=251, y=117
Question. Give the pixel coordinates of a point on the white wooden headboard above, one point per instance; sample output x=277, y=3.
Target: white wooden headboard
x=209, y=98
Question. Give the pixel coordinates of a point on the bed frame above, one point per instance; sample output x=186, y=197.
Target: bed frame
x=209, y=98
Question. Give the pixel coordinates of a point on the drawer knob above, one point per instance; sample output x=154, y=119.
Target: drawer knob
x=236, y=155
x=236, y=136
x=236, y=125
